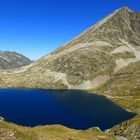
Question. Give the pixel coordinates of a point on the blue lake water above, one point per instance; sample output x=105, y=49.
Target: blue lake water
x=72, y=108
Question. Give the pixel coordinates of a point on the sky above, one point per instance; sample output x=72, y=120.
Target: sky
x=36, y=27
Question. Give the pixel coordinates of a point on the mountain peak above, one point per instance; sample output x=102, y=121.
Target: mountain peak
x=125, y=8
x=118, y=15
x=89, y=60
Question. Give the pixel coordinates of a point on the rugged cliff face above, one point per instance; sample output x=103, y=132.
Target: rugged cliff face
x=99, y=56
x=10, y=60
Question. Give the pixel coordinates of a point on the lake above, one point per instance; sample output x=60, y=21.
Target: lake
x=72, y=108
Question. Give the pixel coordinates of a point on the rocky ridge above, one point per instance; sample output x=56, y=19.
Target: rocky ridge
x=9, y=60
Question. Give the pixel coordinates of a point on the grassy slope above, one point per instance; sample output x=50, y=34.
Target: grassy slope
x=124, y=87
x=124, y=90
x=10, y=131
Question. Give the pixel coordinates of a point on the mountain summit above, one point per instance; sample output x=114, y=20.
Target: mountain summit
x=96, y=59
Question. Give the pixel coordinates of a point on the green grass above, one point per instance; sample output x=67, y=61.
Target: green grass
x=50, y=132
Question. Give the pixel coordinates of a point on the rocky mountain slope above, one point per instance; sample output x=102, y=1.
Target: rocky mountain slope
x=10, y=60
x=129, y=129
x=90, y=60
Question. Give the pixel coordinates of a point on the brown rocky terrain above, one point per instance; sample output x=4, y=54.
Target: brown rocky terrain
x=90, y=60
x=9, y=60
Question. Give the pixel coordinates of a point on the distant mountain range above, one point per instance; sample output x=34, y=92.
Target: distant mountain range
x=10, y=60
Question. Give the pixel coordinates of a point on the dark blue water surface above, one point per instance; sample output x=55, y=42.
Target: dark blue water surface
x=72, y=108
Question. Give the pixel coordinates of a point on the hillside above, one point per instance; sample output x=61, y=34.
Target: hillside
x=10, y=131
x=90, y=60
x=10, y=60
